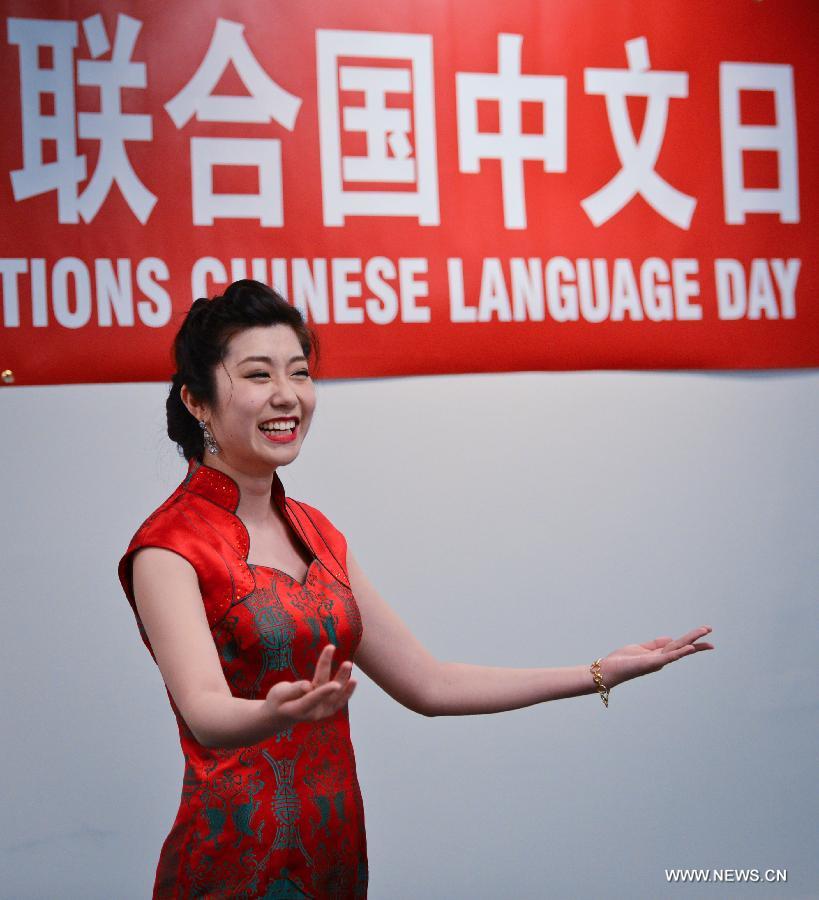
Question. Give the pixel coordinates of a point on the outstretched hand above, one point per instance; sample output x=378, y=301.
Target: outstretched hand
x=634, y=660
x=306, y=701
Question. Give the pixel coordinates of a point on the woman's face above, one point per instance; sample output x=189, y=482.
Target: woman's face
x=264, y=399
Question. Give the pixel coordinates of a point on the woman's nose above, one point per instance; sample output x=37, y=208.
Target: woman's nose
x=283, y=393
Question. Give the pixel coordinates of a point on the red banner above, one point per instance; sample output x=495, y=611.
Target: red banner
x=439, y=186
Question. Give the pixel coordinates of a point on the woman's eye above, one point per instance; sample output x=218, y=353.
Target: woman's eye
x=258, y=375
x=303, y=373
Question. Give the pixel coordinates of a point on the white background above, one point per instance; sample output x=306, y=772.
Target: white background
x=520, y=519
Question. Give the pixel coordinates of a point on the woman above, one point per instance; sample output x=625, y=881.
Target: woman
x=254, y=609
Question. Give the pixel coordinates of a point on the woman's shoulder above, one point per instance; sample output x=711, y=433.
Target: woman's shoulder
x=310, y=514
x=207, y=536
x=195, y=508
x=325, y=540
x=168, y=517
x=183, y=523
x=162, y=528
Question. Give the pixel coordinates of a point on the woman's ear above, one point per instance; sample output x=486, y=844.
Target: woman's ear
x=197, y=410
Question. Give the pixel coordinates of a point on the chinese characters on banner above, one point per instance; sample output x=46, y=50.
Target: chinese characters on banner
x=435, y=191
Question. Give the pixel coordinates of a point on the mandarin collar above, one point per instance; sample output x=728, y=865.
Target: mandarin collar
x=221, y=489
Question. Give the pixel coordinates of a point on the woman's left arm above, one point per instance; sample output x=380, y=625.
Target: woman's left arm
x=396, y=661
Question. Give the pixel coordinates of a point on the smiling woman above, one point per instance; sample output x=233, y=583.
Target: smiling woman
x=249, y=336
x=257, y=656
x=267, y=398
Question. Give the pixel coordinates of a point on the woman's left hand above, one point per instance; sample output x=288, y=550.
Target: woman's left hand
x=635, y=660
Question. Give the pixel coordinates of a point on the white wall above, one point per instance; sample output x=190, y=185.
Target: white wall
x=522, y=520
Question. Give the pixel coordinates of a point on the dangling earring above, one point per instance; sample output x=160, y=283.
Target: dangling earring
x=210, y=444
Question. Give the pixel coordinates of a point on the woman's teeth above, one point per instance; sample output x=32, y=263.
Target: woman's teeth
x=279, y=426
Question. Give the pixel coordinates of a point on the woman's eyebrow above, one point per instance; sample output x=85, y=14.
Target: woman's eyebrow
x=269, y=361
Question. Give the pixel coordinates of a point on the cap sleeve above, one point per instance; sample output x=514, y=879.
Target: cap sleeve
x=174, y=528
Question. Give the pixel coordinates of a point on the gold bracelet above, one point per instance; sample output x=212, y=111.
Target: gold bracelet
x=597, y=675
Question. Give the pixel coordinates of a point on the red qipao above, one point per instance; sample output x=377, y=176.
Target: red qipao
x=282, y=818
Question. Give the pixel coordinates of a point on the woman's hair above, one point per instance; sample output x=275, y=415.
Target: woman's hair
x=201, y=344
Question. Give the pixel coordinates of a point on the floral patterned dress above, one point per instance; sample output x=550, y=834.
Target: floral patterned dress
x=282, y=818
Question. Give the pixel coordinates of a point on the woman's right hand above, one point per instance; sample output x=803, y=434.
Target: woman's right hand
x=289, y=702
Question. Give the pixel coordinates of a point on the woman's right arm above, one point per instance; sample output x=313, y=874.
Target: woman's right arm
x=172, y=613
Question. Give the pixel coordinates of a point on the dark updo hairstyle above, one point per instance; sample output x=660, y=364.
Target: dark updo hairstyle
x=201, y=344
